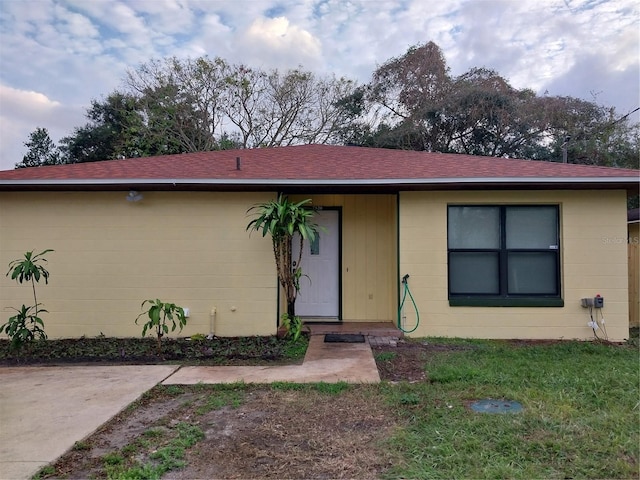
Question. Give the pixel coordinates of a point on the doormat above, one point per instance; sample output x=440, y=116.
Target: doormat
x=343, y=338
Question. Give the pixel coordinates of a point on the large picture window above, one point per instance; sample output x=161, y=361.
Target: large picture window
x=504, y=255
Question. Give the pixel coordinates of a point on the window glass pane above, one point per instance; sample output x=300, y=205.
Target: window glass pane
x=473, y=272
x=532, y=227
x=533, y=273
x=474, y=227
x=315, y=245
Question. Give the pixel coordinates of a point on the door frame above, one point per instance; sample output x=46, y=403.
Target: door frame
x=339, y=319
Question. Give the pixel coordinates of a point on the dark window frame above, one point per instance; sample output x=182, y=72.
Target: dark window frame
x=504, y=298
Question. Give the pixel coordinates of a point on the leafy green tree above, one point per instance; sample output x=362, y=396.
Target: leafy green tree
x=406, y=96
x=412, y=102
x=592, y=134
x=42, y=150
x=181, y=101
x=189, y=101
x=484, y=115
x=282, y=220
x=115, y=130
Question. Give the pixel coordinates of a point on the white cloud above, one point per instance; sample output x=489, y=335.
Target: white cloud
x=275, y=41
x=76, y=25
x=168, y=16
x=21, y=112
x=611, y=86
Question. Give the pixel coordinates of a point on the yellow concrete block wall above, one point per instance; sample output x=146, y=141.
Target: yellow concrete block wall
x=593, y=261
x=190, y=248
x=633, y=256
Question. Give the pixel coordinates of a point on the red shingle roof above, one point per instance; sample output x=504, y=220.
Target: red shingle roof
x=307, y=164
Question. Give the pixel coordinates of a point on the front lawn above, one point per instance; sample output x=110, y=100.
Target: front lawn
x=580, y=419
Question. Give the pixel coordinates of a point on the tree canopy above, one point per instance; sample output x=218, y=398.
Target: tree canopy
x=177, y=106
x=412, y=102
x=42, y=150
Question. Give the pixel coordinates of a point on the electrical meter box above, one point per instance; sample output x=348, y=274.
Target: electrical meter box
x=598, y=302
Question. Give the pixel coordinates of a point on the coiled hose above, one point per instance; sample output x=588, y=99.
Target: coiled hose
x=407, y=290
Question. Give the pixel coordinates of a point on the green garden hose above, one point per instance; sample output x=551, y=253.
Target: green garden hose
x=404, y=297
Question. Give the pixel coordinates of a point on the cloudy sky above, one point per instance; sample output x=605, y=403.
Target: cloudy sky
x=58, y=55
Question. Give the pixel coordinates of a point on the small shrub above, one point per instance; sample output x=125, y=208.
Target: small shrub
x=292, y=326
x=159, y=313
x=24, y=327
x=27, y=326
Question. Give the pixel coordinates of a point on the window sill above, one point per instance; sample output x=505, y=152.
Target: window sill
x=506, y=302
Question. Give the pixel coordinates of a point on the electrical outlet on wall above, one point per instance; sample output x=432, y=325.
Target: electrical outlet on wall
x=586, y=302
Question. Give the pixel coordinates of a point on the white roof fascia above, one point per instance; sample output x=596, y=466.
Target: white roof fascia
x=311, y=182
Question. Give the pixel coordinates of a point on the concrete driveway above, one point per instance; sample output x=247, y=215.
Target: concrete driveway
x=45, y=410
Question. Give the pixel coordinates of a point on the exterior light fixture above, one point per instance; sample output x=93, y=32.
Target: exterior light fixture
x=134, y=196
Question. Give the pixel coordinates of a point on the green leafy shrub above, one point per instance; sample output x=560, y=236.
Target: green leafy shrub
x=159, y=313
x=24, y=327
x=292, y=326
x=27, y=326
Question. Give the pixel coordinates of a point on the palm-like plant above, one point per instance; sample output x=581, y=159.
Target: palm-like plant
x=282, y=219
x=28, y=269
x=26, y=325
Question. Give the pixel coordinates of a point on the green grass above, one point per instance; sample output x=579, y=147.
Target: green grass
x=580, y=418
x=385, y=356
x=162, y=448
x=221, y=397
x=169, y=456
x=80, y=446
x=321, y=387
x=44, y=472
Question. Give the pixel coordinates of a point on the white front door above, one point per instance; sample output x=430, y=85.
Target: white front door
x=319, y=294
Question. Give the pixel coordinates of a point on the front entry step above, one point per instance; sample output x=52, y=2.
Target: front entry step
x=374, y=333
x=368, y=329
x=344, y=338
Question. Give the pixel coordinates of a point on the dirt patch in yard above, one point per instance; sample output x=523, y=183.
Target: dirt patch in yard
x=260, y=432
x=293, y=434
x=406, y=361
x=281, y=431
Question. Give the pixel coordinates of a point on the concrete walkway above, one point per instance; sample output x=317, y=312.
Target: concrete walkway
x=45, y=410
x=323, y=362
